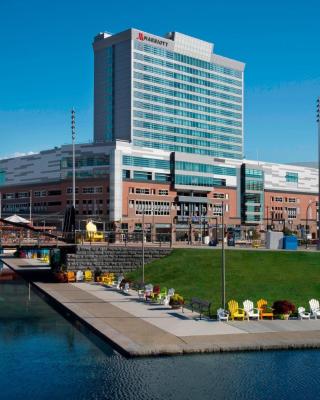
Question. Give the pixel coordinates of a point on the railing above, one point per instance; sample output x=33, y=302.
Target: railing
x=123, y=238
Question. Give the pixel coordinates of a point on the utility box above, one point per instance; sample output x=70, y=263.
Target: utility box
x=290, y=243
x=274, y=240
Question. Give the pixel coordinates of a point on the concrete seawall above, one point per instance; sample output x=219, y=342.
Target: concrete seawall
x=136, y=328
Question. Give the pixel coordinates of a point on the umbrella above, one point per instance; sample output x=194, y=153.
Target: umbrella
x=17, y=219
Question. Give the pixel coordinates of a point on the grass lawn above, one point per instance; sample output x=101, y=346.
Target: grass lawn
x=272, y=275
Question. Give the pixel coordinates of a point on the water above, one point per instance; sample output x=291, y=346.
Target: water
x=43, y=356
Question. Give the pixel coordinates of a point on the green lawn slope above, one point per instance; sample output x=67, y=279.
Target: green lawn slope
x=273, y=275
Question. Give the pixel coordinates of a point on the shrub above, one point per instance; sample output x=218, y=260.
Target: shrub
x=282, y=307
x=176, y=300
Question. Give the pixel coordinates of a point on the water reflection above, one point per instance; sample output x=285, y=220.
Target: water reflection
x=42, y=356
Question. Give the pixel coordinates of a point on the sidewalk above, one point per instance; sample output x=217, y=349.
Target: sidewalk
x=137, y=328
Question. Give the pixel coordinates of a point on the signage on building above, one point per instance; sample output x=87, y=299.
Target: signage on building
x=142, y=37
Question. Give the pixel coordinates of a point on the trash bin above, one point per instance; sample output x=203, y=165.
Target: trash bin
x=290, y=243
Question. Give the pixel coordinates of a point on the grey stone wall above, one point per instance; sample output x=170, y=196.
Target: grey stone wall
x=112, y=259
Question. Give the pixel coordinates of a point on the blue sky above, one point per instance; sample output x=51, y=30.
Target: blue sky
x=46, y=66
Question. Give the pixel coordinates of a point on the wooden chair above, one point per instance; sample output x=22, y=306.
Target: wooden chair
x=314, y=308
x=250, y=311
x=264, y=310
x=88, y=275
x=107, y=279
x=71, y=276
x=155, y=293
x=235, y=311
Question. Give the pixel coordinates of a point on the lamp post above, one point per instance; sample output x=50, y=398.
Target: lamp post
x=73, y=134
x=30, y=207
x=143, y=245
x=318, y=216
x=307, y=220
x=267, y=218
x=223, y=263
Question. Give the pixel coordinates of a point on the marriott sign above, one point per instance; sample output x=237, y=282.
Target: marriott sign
x=141, y=36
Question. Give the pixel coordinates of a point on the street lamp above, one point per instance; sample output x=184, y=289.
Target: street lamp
x=223, y=263
x=318, y=217
x=30, y=207
x=307, y=220
x=143, y=245
x=73, y=134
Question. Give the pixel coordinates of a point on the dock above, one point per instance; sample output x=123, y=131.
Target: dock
x=137, y=328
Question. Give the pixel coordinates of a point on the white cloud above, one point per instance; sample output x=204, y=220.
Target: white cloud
x=19, y=154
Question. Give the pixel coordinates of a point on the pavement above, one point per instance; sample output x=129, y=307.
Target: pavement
x=137, y=328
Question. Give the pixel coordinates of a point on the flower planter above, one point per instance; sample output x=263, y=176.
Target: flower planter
x=176, y=306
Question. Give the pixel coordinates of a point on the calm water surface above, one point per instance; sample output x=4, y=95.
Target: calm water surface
x=43, y=356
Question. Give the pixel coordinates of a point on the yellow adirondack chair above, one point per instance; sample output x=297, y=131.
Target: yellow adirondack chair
x=71, y=276
x=88, y=275
x=264, y=310
x=235, y=311
x=108, y=279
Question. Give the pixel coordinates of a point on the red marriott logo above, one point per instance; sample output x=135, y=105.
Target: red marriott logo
x=141, y=36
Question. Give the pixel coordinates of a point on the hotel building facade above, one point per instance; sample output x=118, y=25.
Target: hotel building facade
x=168, y=149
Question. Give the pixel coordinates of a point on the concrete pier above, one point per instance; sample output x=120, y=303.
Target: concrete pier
x=136, y=328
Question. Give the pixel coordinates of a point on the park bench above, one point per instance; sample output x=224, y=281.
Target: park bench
x=199, y=305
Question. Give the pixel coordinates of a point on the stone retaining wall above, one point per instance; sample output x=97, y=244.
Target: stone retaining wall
x=112, y=259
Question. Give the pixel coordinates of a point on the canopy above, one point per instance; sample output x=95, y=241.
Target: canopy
x=16, y=218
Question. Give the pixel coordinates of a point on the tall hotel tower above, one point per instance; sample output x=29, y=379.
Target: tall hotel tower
x=171, y=93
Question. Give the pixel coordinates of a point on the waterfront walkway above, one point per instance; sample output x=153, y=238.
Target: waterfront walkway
x=137, y=328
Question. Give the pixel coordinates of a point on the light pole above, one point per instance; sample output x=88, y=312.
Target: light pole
x=143, y=245
x=223, y=263
x=73, y=134
x=30, y=207
x=307, y=219
x=318, y=216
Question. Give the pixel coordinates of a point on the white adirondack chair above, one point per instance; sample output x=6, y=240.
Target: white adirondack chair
x=141, y=294
x=222, y=315
x=126, y=288
x=79, y=276
x=303, y=314
x=250, y=310
x=167, y=298
x=119, y=280
x=314, y=308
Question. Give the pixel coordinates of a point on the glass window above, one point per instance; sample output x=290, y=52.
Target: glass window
x=186, y=59
x=292, y=177
x=186, y=87
x=142, y=175
x=185, y=104
x=191, y=180
x=126, y=174
x=184, y=149
x=206, y=168
x=187, y=114
x=145, y=162
x=185, y=122
x=184, y=68
x=186, y=78
x=162, y=177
